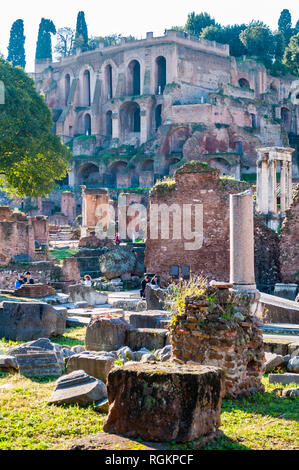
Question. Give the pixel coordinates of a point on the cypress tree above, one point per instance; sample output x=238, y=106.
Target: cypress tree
x=285, y=24
x=81, y=39
x=44, y=43
x=16, y=48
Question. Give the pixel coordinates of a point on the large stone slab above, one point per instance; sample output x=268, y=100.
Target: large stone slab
x=164, y=402
x=155, y=297
x=78, y=387
x=79, y=293
x=149, y=338
x=105, y=334
x=96, y=364
x=274, y=309
x=148, y=319
x=25, y=321
x=284, y=379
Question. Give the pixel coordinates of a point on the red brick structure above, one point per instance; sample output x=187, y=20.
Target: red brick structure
x=289, y=243
x=41, y=229
x=196, y=184
x=16, y=235
x=68, y=206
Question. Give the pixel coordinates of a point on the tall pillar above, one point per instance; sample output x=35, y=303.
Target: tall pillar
x=282, y=187
x=143, y=126
x=264, y=187
x=242, y=241
x=115, y=126
x=272, y=202
x=289, y=184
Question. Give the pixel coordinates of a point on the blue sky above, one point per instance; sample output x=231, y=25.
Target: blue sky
x=134, y=17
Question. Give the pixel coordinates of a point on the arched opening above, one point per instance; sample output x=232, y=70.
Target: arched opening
x=115, y=170
x=86, y=88
x=133, y=85
x=109, y=124
x=67, y=88
x=87, y=124
x=158, y=116
x=88, y=174
x=297, y=96
x=160, y=74
x=253, y=120
x=129, y=119
x=222, y=165
x=147, y=165
x=273, y=88
x=172, y=165
x=286, y=118
x=109, y=82
x=243, y=83
x=178, y=139
x=239, y=148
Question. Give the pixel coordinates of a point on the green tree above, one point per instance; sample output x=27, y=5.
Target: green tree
x=285, y=24
x=226, y=35
x=259, y=42
x=65, y=42
x=196, y=23
x=81, y=38
x=16, y=47
x=291, y=55
x=31, y=158
x=44, y=43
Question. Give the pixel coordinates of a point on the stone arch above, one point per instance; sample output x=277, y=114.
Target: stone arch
x=109, y=123
x=171, y=165
x=129, y=118
x=88, y=174
x=243, y=83
x=178, y=138
x=239, y=147
x=108, y=77
x=221, y=164
x=158, y=116
x=86, y=88
x=116, y=168
x=134, y=78
x=147, y=165
x=160, y=73
x=87, y=124
x=67, y=87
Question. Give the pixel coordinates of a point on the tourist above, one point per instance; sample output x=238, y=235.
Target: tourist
x=20, y=281
x=117, y=240
x=154, y=281
x=143, y=286
x=87, y=280
x=28, y=279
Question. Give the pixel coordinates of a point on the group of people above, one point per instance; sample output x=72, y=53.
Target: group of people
x=24, y=279
x=147, y=280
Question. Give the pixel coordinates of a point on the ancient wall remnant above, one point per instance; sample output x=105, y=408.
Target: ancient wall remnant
x=16, y=235
x=198, y=185
x=289, y=243
x=94, y=210
x=218, y=329
x=68, y=206
x=41, y=229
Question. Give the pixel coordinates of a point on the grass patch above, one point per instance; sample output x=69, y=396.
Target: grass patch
x=64, y=253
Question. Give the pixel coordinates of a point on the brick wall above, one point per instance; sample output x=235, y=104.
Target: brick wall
x=289, y=243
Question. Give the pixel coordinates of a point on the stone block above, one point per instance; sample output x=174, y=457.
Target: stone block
x=96, y=364
x=78, y=387
x=81, y=293
x=105, y=334
x=284, y=379
x=155, y=297
x=39, y=364
x=286, y=291
x=164, y=402
x=149, y=338
x=34, y=291
x=8, y=364
x=148, y=319
x=273, y=361
x=293, y=365
x=116, y=262
x=26, y=321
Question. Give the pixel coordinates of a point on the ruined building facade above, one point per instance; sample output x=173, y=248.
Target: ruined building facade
x=134, y=112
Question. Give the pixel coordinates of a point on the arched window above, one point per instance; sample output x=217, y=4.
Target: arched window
x=243, y=83
x=87, y=124
x=253, y=120
x=109, y=82
x=109, y=124
x=133, y=87
x=86, y=88
x=130, y=118
x=67, y=88
x=158, y=116
x=160, y=75
x=239, y=148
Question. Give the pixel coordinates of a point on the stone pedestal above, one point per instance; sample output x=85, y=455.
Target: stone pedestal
x=164, y=402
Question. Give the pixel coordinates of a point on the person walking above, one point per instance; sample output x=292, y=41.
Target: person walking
x=143, y=286
x=20, y=281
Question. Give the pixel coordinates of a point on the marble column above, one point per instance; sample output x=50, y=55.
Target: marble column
x=242, y=241
x=282, y=187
